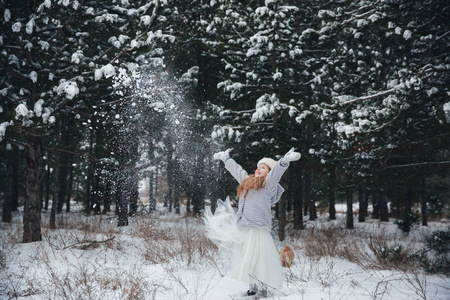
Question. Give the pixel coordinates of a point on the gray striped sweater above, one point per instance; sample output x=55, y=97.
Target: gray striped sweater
x=254, y=209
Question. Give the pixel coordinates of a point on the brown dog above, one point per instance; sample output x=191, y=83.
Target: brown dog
x=286, y=256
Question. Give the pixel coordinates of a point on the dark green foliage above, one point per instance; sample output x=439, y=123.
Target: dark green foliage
x=439, y=241
x=406, y=224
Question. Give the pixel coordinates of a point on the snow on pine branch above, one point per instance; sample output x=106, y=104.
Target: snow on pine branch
x=226, y=131
x=265, y=106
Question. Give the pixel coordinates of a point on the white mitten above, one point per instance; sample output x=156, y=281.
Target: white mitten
x=291, y=155
x=223, y=155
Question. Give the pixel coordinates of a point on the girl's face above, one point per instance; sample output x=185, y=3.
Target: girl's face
x=262, y=171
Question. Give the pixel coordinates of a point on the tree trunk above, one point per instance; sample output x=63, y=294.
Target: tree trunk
x=156, y=184
x=298, y=201
x=375, y=205
x=62, y=178
x=88, y=196
x=309, y=198
x=198, y=197
x=47, y=184
x=95, y=194
x=122, y=201
x=281, y=218
x=151, y=194
x=8, y=192
x=424, y=211
x=168, y=199
x=56, y=193
x=32, y=205
x=366, y=201
x=305, y=188
x=349, y=197
x=408, y=208
x=384, y=212
x=290, y=190
x=69, y=185
x=15, y=185
x=362, y=213
x=332, y=195
x=176, y=194
x=107, y=197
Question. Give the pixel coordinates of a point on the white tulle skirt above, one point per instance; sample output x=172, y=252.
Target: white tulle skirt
x=250, y=253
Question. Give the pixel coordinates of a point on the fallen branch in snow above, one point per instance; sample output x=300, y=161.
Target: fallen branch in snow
x=86, y=245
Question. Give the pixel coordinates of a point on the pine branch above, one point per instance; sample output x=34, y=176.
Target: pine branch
x=430, y=163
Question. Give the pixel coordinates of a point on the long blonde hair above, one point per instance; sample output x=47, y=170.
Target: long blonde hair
x=249, y=183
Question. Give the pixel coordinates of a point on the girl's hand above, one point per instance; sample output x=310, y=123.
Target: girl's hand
x=223, y=155
x=291, y=155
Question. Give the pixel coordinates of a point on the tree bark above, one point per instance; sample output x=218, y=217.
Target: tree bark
x=198, y=197
x=309, y=198
x=69, y=185
x=56, y=193
x=15, y=184
x=349, y=197
x=133, y=192
x=95, y=194
x=384, y=212
x=375, y=205
x=8, y=193
x=332, y=194
x=281, y=218
x=168, y=199
x=62, y=178
x=290, y=190
x=362, y=213
x=32, y=205
x=423, y=195
x=47, y=184
x=122, y=201
x=151, y=193
x=298, y=200
x=176, y=180
x=408, y=207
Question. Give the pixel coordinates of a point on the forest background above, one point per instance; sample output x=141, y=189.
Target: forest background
x=97, y=96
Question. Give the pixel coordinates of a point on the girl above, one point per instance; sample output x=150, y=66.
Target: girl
x=247, y=233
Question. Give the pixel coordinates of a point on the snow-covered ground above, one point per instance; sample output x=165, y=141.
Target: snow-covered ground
x=166, y=256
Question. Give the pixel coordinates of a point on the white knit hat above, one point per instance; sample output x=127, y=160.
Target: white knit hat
x=268, y=161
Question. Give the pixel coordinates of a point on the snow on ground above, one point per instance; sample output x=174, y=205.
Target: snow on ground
x=166, y=256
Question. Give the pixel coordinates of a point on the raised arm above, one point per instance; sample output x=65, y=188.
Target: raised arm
x=232, y=166
x=280, y=167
